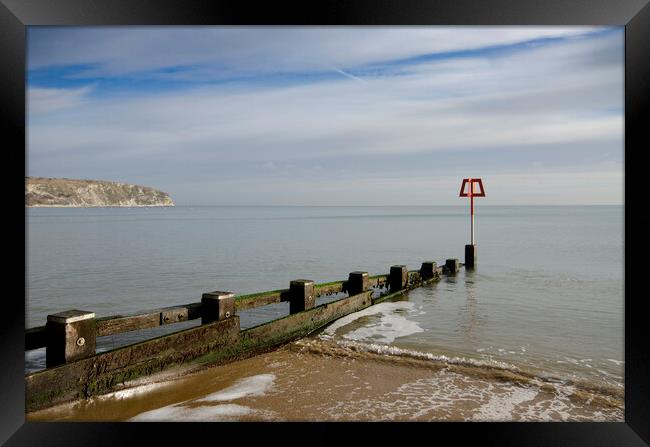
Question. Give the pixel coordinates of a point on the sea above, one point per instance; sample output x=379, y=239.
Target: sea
x=534, y=333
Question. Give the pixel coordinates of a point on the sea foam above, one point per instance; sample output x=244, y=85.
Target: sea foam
x=189, y=410
x=391, y=324
x=250, y=386
x=181, y=413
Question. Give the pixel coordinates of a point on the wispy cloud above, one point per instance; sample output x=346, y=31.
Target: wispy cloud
x=48, y=100
x=348, y=75
x=228, y=51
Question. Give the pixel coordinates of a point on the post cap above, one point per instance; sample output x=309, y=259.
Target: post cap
x=218, y=295
x=70, y=316
x=305, y=282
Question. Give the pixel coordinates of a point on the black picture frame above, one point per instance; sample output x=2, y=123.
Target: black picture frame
x=15, y=15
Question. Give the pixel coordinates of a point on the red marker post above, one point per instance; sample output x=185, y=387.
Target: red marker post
x=472, y=191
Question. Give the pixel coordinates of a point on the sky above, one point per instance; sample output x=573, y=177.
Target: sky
x=233, y=115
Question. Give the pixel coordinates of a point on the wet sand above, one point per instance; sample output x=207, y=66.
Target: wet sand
x=317, y=380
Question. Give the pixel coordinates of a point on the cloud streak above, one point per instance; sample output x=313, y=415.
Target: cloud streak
x=225, y=51
x=348, y=75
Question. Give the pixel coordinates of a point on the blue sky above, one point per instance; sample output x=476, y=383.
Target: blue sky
x=332, y=115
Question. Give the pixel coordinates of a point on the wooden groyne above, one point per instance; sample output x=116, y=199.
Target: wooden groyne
x=74, y=370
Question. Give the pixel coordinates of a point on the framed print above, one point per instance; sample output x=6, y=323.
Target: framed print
x=271, y=191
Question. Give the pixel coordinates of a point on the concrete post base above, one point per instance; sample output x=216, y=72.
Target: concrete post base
x=470, y=256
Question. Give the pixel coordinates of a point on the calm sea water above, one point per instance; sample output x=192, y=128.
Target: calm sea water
x=547, y=296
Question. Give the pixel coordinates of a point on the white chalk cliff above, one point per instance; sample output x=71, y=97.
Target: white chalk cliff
x=63, y=192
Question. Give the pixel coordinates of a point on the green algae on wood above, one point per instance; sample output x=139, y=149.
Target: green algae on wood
x=205, y=345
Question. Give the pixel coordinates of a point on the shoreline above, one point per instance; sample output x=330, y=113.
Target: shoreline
x=335, y=384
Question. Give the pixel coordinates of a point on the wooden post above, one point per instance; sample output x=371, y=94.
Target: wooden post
x=452, y=265
x=398, y=277
x=357, y=283
x=71, y=335
x=301, y=295
x=216, y=306
x=428, y=270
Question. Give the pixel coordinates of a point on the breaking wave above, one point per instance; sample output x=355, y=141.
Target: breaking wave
x=487, y=370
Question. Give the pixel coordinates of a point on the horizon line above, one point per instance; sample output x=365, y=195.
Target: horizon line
x=392, y=205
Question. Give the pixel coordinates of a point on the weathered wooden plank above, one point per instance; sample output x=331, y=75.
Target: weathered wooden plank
x=414, y=281
x=144, y=320
x=118, y=324
x=266, y=336
x=302, y=323
x=96, y=374
x=253, y=300
x=377, y=280
x=35, y=338
x=173, y=315
x=330, y=288
x=193, y=310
